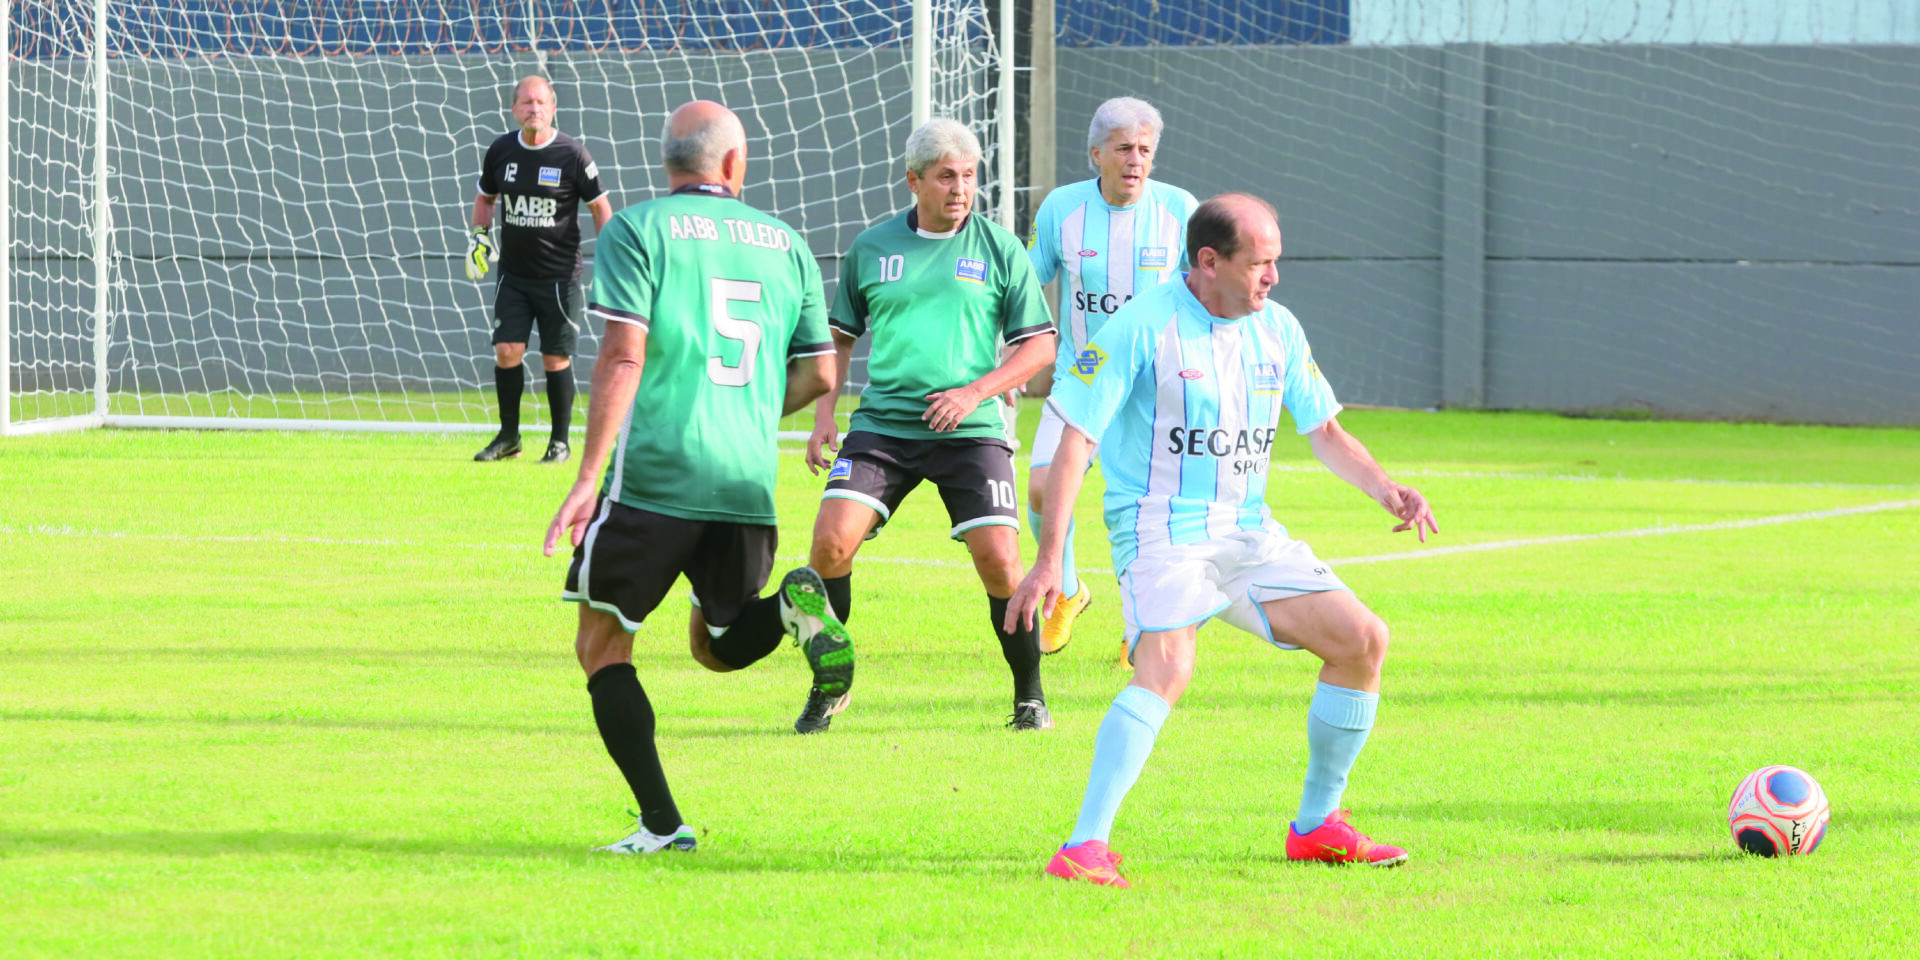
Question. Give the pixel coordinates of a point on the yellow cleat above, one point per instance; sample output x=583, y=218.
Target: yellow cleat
x=1058, y=629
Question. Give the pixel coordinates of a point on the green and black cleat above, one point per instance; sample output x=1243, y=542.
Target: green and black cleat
x=810, y=620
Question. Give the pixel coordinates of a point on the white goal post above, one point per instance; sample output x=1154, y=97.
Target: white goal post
x=249, y=215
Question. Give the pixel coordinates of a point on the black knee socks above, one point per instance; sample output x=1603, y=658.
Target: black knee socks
x=625, y=717
x=560, y=391
x=1022, y=650
x=756, y=633
x=508, y=384
x=840, y=594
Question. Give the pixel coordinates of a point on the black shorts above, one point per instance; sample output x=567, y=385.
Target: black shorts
x=974, y=474
x=631, y=558
x=518, y=304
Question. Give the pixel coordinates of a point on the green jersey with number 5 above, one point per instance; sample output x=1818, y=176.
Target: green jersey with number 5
x=727, y=295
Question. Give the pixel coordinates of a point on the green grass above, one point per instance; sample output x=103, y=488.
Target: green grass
x=314, y=695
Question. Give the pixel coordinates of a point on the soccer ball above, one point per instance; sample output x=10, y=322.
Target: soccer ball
x=1778, y=811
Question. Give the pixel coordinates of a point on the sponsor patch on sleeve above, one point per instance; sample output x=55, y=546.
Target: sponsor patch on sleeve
x=593, y=171
x=1266, y=378
x=842, y=469
x=1088, y=362
x=549, y=176
x=975, y=270
x=1155, y=258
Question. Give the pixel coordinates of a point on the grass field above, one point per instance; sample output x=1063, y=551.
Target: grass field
x=314, y=695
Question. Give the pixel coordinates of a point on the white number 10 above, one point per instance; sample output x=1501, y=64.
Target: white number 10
x=745, y=331
x=1001, y=493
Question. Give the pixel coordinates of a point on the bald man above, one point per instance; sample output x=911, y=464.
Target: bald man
x=1182, y=388
x=543, y=176
x=715, y=328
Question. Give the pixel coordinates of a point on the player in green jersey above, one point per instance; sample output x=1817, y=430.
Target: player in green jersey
x=939, y=291
x=715, y=328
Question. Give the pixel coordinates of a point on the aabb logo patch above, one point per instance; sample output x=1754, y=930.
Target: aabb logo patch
x=1155, y=258
x=967, y=269
x=1087, y=362
x=549, y=176
x=842, y=469
x=1266, y=378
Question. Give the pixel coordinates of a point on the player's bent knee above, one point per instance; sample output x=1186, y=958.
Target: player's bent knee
x=1369, y=647
x=555, y=364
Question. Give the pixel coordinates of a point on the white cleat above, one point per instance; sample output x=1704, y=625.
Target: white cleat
x=643, y=842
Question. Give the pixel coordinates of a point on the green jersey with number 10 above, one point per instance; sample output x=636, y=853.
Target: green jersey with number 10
x=727, y=295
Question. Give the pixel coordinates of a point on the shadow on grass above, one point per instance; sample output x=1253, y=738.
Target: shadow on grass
x=715, y=855
x=315, y=723
x=1636, y=859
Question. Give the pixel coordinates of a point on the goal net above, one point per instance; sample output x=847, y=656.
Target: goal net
x=1692, y=207
x=250, y=212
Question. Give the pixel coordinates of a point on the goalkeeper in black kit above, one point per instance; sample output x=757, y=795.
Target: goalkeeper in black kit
x=539, y=176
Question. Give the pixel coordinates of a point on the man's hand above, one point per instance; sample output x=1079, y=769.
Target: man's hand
x=949, y=407
x=1040, y=589
x=575, y=513
x=1411, y=507
x=480, y=253
x=825, y=436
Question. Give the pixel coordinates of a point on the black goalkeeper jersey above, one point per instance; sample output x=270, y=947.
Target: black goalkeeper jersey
x=540, y=191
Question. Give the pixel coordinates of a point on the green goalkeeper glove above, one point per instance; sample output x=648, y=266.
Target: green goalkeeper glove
x=480, y=253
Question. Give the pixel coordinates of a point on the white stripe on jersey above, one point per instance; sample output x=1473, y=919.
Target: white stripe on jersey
x=1120, y=269
x=1073, y=239
x=1230, y=488
x=1169, y=415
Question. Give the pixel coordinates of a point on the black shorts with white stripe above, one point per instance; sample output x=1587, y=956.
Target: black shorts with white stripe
x=630, y=558
x=519, y=304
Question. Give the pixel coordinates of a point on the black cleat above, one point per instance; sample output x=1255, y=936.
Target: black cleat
x=1030, y=715
x=810, y=620
x=817, y=716
x=557, y=452
x=503, y=447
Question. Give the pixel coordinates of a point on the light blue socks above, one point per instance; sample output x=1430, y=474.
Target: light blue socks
x=1337, y=727
x=1069, y=574
x=1119, y=751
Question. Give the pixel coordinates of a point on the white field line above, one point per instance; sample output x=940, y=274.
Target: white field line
x=46, y=530
x=1582, y=477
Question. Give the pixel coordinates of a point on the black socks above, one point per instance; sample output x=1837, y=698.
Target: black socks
x=508, y=384
x=748, y=639
x=625, y=718
x=1022, y=650
x=840, y=594
x=560, y=391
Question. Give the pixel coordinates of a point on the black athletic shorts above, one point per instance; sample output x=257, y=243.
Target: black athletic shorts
x=518, y=304
x=974, y=474
x=631, y=558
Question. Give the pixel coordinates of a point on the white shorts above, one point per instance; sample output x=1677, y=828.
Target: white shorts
x=1046, y=439
x=1171, y=586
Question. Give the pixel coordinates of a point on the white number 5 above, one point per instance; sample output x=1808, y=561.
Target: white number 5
x=745, y=331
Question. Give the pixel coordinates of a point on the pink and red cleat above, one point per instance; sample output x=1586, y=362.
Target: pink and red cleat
x=1336, y=841
x=1090, y=861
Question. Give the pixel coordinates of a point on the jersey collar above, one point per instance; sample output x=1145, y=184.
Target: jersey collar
x=520, y=137
x=913, y=223
x=708, y=189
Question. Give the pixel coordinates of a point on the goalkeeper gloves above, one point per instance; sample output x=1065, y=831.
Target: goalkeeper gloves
x=480, y=253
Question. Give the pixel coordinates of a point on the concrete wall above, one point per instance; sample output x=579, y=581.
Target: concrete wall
x=1703, y=231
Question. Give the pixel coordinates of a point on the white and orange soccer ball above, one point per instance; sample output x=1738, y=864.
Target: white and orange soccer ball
x=1778, y=811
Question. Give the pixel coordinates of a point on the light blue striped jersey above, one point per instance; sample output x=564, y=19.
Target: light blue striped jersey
x=1108, y=253
x=1185, y=407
